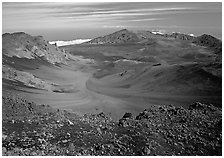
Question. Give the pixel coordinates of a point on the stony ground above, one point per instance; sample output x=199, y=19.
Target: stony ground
x=30, y=129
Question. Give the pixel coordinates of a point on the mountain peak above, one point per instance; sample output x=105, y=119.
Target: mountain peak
x=119, y=37
x=123, y=30
x=207, y=36
x=212, y=43
x=208, y=40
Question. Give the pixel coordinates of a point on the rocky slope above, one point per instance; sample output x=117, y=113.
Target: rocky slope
x=22, y=52
x=158, y=130
x=22, y=45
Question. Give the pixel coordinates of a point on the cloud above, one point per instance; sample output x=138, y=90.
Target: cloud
x=82, y=10
x=161, y=32
x=151, y=19
x=92, y=16
x=85, y=12
x=72, y=42
x=191, y=34
x=115, y=26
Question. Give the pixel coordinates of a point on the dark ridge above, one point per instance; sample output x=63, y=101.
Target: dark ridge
x=208, y=40
x=19, y=33
x=5, y=34
x=16, y=35
x=212, y=43
x=182, y=36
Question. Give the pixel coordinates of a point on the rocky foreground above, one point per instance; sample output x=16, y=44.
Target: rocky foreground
x=30, y=129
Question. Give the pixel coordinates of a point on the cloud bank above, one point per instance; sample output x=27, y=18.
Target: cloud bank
x=72, y=42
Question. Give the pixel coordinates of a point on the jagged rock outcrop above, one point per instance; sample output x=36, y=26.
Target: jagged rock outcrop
x=22, y=45
x=182, y=36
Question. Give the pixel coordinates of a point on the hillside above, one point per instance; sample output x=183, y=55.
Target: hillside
x=21, y=53
x=22, y=45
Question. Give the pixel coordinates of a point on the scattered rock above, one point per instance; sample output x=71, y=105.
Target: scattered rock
x=146, y=150
x=99, y=130
x=4, y=150
x=70, y=122
x=158, y=130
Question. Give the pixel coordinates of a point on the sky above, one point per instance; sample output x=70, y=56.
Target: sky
x=67, y=21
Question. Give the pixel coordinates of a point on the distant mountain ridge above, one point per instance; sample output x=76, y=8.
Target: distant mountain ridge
x=126, y=36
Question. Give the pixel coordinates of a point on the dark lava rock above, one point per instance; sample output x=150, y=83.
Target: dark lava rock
x=101, y=115
x=196, y=105
x=201, y=106
x=143, y=115
x=123, y=123
x=146, y=150
x=159, y=130
x=127, y=115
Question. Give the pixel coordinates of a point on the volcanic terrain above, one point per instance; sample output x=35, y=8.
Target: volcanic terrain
x=93, y=84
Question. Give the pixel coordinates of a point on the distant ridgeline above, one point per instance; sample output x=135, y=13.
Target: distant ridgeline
x=125, y=36
x=22, y=45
